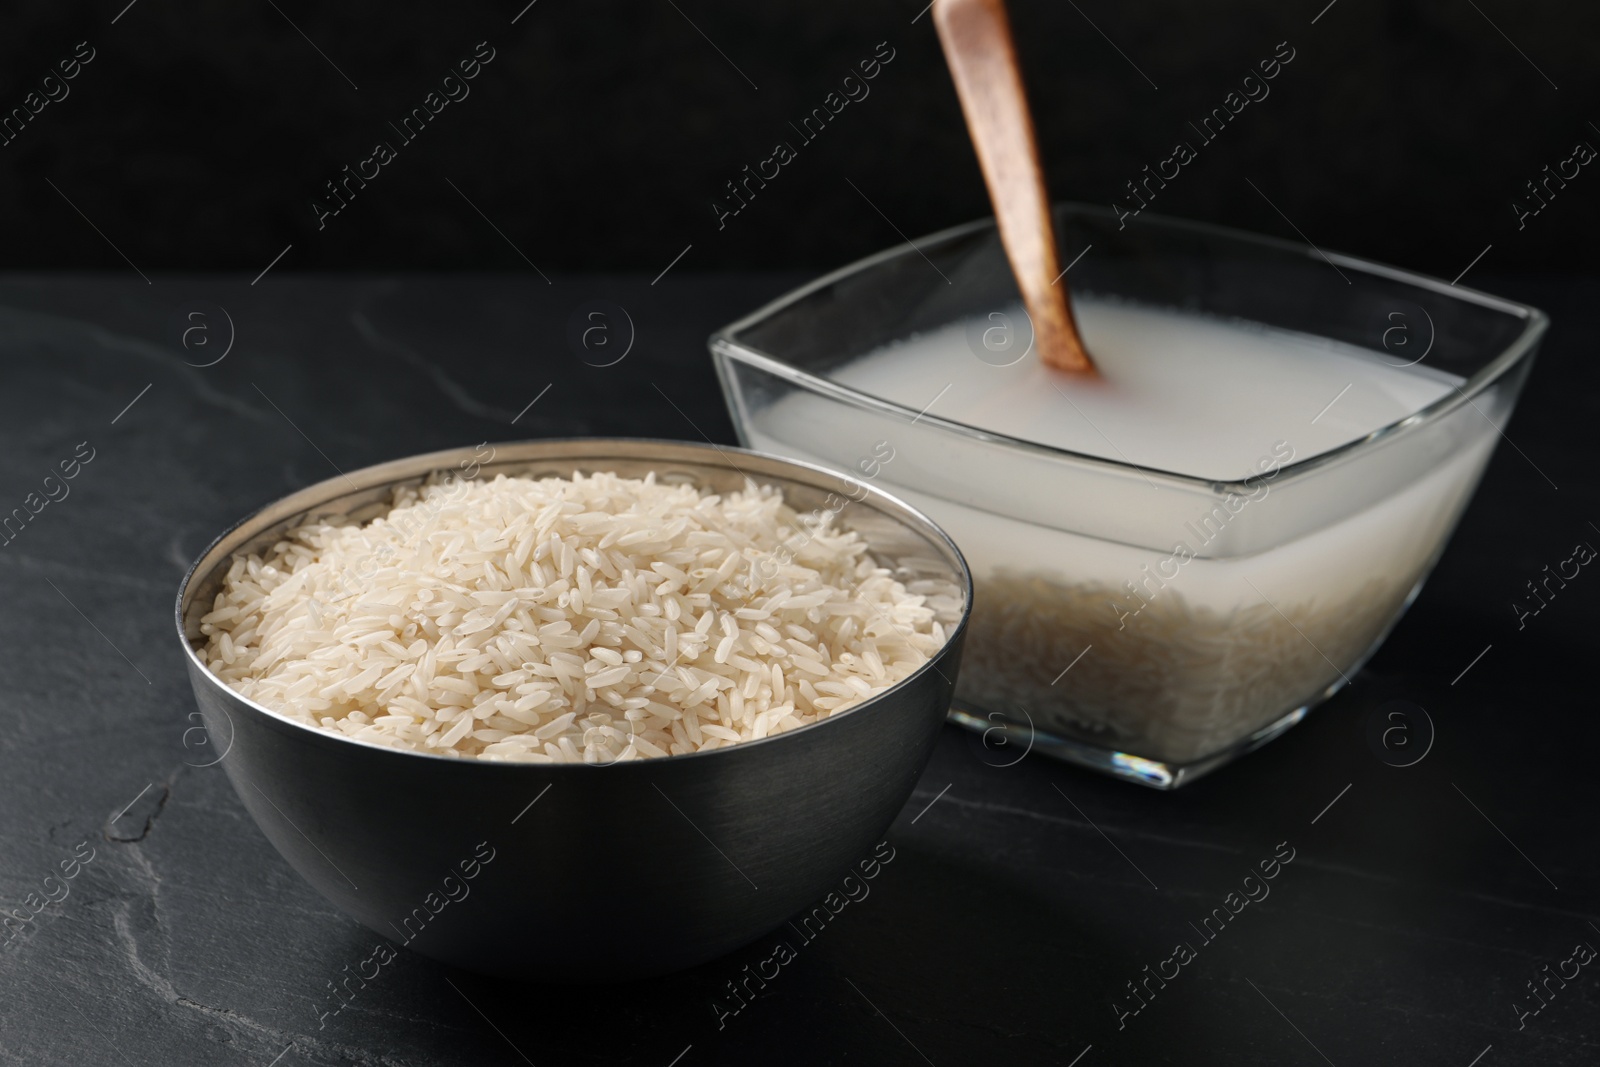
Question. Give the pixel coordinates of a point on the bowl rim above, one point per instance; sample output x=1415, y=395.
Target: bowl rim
x=392, y=472
x=725, y=344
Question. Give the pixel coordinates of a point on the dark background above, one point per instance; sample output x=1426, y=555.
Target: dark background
x=1424, y=899
x=602, y=131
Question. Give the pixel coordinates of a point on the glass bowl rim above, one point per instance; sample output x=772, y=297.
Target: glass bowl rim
x=390, y=473
x=725, y=344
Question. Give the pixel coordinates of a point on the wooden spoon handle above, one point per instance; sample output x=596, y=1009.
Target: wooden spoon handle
x=976, y=35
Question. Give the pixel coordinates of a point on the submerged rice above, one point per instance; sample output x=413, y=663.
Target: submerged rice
x=594, y=619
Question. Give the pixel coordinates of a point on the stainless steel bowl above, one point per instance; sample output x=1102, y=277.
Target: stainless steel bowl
x=575, y=872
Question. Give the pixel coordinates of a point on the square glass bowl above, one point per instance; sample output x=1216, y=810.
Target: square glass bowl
x=1285, y=599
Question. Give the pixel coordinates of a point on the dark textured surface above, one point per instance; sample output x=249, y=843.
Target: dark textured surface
x=602, y=132
x=1020, y=899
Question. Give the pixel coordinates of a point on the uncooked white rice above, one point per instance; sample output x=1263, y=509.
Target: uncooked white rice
x=1181, y=681
x=596, y=618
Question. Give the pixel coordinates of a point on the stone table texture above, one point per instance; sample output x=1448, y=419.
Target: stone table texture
x=1022, y=900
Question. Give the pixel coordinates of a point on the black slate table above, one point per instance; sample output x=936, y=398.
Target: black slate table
x=1024, y=902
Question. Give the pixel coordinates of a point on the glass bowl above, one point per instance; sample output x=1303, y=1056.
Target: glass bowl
x=1294, y=575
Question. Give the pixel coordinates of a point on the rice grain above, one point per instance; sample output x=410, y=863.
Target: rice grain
x=594, y=618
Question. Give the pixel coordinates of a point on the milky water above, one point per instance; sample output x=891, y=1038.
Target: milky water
x=1176, y=392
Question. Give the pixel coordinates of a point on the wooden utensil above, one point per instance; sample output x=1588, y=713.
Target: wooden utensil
x=976, y=36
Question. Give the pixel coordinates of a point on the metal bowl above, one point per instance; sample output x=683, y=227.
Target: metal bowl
x=577, y=872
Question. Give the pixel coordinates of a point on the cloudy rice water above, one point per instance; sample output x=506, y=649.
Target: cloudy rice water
x=594, y=618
